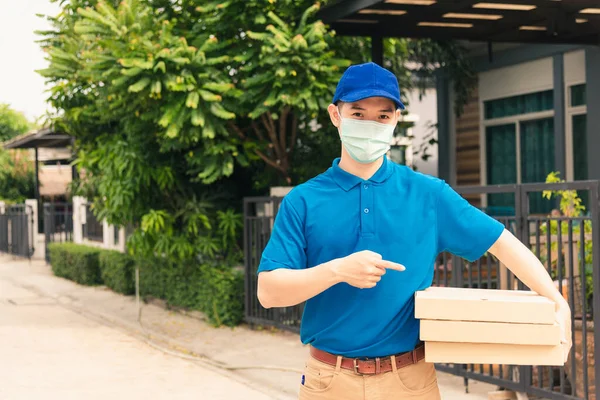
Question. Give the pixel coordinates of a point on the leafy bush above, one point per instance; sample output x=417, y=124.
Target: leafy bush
x=214, y=290
x=117, y=271
x=75, y=262
x=571, y=206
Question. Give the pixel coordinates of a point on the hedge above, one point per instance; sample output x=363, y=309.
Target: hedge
x=117, y=271
x=76, y=262
x=215, y=290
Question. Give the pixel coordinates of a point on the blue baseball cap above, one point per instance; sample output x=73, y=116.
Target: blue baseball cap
x=367, y=80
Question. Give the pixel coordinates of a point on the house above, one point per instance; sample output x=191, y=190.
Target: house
x=527, y=117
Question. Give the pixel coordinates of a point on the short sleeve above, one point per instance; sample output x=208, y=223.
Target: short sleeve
x=463, y=229
x=286, y=247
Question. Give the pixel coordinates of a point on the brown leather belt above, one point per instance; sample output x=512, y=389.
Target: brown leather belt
x=371, y=366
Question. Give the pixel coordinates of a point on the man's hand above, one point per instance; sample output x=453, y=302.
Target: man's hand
x=363, y=269
x=563, y=318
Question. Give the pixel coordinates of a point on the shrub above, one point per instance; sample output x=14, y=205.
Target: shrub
x=117, y=271
x=75, y=262
x=223, y=297
x=217, y=291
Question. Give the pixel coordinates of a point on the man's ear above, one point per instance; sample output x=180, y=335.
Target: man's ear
x=334, y=115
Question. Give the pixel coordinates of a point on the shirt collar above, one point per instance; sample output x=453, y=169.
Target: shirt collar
x=347, y=181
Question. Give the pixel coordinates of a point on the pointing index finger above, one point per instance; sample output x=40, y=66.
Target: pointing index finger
x=391, y=265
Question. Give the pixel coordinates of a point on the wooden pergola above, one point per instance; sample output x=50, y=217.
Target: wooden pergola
x=522, y=21
x=43, y=138
x=552, y=25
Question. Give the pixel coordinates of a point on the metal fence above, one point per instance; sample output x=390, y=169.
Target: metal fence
x=17, y=227
x=58, y=224
x=259, y=215
x=569, y=247
x=92, y=228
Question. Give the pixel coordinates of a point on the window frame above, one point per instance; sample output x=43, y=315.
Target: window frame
x=513, y=119
x=570, y=112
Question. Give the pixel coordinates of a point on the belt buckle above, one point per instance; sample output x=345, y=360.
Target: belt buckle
x=355, y=362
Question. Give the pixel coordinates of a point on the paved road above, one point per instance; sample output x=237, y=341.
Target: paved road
x=50, y=352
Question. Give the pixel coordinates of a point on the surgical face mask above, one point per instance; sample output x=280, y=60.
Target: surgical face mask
x=365, y=141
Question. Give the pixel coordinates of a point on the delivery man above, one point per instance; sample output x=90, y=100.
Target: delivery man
x=358, y=241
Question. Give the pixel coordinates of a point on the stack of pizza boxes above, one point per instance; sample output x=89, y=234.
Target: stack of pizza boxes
x=478, y=326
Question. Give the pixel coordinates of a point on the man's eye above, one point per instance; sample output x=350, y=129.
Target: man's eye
x=357, y=114
x=385, y=117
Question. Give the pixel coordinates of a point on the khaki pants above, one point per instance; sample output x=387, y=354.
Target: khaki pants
x=326, y=382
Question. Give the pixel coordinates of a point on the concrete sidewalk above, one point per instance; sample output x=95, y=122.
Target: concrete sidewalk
x=231, y=352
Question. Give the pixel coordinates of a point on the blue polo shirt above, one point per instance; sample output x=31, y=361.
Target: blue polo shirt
x=407, y=217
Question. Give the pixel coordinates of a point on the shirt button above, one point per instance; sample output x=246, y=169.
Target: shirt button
x=366, y=186
x=366, y=210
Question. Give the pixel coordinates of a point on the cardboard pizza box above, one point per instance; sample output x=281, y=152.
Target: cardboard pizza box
x=484, y=305
x=489, y=332
x=493, y=353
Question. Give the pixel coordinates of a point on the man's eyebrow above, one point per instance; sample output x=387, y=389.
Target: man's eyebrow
x=387, y=110
x=357, y=107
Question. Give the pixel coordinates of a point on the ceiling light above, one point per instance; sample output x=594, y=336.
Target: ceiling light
x=445, y=24
x=505, y=6
x=581, y=20
x=590, y=11
x=358, y=21
x=383, y=12
x=532, y=28
x=413, y=2
x=473, y=16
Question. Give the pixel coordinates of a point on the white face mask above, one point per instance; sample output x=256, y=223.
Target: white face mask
x=365, y=141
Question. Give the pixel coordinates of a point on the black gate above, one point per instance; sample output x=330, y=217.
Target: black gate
x=58, y=224
x=567, y=245
x=17, y=230
x=259, y=215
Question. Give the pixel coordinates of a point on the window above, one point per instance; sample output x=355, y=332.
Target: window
x=577, y=133
x=580, y=165
x=578, y=95
x=501, y=162
x=520, y=146
x=580, y=171
x=537, y=158
x=518, y=105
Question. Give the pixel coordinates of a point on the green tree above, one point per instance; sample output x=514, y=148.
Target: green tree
x=147, y=110
x=17, y=176
x=12, y=123
x=166, y=98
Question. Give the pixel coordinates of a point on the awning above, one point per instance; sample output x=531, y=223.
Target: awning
x=43, y=138
x=46, y=138
x=522, y=21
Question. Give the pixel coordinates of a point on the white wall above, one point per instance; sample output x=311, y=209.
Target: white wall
x=518, y=79
x=574, y=67
x=426, y=111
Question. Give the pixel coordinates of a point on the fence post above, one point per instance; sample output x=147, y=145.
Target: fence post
x=108, y=236
x=78, y=218
x=33, y=222
x=2, y=207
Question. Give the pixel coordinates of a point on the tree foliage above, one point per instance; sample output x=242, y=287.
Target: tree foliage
x=12, y=123
x=172, y=102
x=17, y=176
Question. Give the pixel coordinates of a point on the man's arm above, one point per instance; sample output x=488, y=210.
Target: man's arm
x=526, y=266
x=285, y=287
